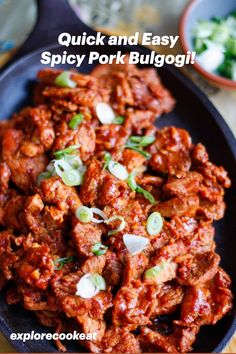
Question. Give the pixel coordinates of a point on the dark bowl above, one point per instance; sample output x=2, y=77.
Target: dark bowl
x=198, y=10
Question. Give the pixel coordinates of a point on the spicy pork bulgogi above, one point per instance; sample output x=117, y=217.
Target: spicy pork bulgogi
x=106, y=220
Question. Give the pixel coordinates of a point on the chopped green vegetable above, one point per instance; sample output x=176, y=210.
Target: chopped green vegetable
x=98, y=281
x=220, y=35
x=215, y=44
x=142, y=140
x=99, y=249
x=200, y=45
x=231, y=46
x=118, y=170
x=107, y=158
x=131, y=182
x=76, y=120
x=71, y=177
x=136, y=188
x=121, y=226
x=67, y=151
x=146, y=194
x=154, y=271
x=64, y=80
x=136, y=143
x=142, y=152
x=100, y=213
x=84, y=214
x=154, y=223
x=60, y=262
x=118, y=120
x=228, y=69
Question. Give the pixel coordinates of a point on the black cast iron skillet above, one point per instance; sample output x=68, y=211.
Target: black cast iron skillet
x=193, y=112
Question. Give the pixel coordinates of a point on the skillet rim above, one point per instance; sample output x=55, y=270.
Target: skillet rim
x=208, y=105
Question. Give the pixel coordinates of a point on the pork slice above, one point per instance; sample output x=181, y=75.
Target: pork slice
x=209, y=302
x=178, y=206
x=24, y=169
x=134, y=305
x=85, y=236
x=119, y=340
x=186, y=185
x=54, y=192
x=197, y=269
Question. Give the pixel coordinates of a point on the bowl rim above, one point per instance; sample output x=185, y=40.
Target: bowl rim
x=217, y=79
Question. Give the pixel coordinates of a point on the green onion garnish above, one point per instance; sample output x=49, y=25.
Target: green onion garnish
x=118, y=170
x=142, y=140
x=131, y=182
x=136, y=188
x=154, y=223
x=154, y=271
x=67, y=151
x=118, y=120
x=107, y=158
x=136, y=143
x=121, y=226
x=64, y=80
x=62, y=261
x=84, y=214
x=98, y=281
x=142, y=152
x=71, y=177
x=76, y=120
x=146, y=194
x=99, y=249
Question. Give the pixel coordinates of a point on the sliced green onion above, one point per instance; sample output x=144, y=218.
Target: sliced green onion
x=154, y=223
x=105, y=113
x=64, y=80
x=154, y=271
x=99, y=249
x=100, y=213
x=121, y=226
x=118, y=170
x=42, y=176
x=61, y=166
x=142, y=140
x=86, y=288
x=162, y=272
x=142, y=152
x=131, y=181
x=98, y=281
x=67, y=151
x=76, y=120
x=62, y=261
x=135, y=244
x=71, y=177
x=146, y=194
x=74, y=161
x=107, y=158
x=84, y=214
x=118, y=120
